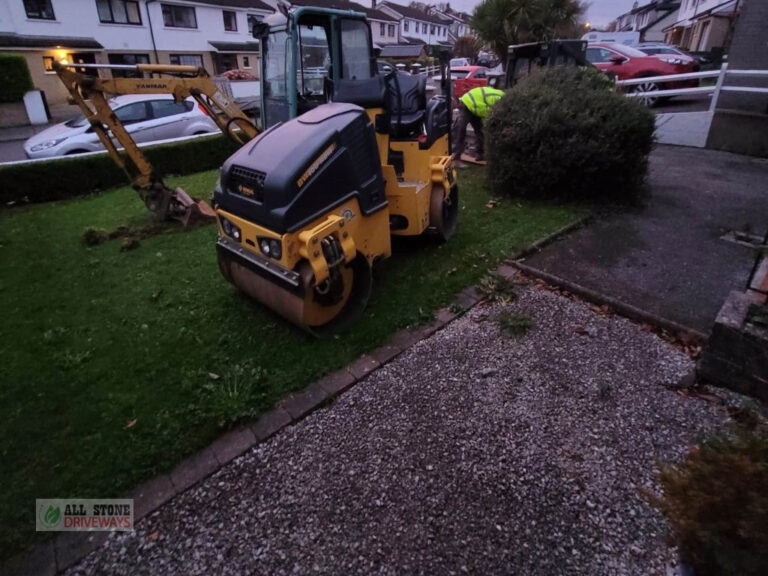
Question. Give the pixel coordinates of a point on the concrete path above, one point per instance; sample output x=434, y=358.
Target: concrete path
x=469, y=453
x=669, y=257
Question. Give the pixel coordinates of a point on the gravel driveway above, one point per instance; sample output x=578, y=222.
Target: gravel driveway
x=470, y=453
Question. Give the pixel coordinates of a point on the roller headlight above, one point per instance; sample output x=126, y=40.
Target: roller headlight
x=271, y=247
x=230, y=229
x=47, y=144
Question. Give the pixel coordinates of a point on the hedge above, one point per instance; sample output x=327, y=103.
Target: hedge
x=564, y=133
x=15, y=80
x=73, y=176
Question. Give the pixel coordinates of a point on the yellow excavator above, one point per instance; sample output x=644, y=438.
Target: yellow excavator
x=180, y=81
x=347, y=159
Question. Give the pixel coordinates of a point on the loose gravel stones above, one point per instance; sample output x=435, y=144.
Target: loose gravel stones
x=469, y=453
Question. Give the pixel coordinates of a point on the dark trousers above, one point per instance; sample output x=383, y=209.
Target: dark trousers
x=464, y=118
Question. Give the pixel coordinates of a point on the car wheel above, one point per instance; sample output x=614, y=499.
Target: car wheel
x=74, y=152
x=646, y=87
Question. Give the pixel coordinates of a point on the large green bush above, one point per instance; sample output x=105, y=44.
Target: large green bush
x=73, y=176
x=15, y=80
x=716, y=502
x=564, y=133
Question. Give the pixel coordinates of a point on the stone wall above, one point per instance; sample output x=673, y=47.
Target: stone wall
x=741, y=121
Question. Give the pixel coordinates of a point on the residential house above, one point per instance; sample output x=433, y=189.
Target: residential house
x=214, y=34
x=703, y=25
x=417, y=26
x=458, y=23
x=384, y=27
x=649, y=20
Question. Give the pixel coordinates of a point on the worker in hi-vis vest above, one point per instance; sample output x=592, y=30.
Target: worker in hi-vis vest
x=473, y=107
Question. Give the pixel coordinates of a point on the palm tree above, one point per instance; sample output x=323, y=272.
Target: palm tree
x=501, y=23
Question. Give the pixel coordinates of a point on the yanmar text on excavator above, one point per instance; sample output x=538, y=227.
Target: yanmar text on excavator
x=347, y=159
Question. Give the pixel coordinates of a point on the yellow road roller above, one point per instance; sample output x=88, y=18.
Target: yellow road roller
x=347, y=158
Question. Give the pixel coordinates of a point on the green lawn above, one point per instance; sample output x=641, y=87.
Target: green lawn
x=108, y=355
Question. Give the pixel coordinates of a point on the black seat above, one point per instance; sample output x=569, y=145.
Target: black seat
x=366, y=93
x=407, y=103
x=437, y=122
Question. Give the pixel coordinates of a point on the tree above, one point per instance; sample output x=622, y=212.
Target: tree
x=421, y=6
x=466, y=47
x=504, y=22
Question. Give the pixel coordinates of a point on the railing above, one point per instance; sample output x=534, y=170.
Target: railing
x=429, y=70
x=715, y=89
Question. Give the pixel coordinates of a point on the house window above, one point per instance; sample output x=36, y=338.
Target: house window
x=118, y=11
x=187, y=60
x=405, y=25
x=48, y=64
x=391, y=30
x=39, y=9
x=179, y=16
x=130, y=60
x=423, y=28
x=230, y=21
x=431, y=29
x=225, y=62
x=382, y=29
x=246, y=61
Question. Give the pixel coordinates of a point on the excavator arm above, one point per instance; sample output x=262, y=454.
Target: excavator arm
x=179, y=81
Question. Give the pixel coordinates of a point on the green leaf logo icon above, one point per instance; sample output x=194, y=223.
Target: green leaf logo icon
x=52, y=516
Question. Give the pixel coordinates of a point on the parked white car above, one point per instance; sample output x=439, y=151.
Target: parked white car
x=146, y=118
x=459, y=62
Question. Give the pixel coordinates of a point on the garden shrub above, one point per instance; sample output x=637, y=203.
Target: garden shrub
x=15, y=80
x=564, y=133
x=716, y=502
x=74, y=176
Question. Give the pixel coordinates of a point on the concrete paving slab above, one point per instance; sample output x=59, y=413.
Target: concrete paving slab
x=668, y=257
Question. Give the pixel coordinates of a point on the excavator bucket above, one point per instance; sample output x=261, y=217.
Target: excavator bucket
x=190, y=210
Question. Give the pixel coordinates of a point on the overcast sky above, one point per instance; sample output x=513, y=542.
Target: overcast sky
x=599, y=13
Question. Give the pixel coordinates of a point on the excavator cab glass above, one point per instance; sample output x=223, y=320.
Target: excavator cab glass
x=305, y=53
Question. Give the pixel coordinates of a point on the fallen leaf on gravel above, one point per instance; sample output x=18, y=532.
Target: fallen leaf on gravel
x=154, y=536
x=580, y=330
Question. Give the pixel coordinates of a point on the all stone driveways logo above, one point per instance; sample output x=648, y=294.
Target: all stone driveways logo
x=67, y=515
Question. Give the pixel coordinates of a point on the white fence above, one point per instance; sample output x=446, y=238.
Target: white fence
x=690, y=128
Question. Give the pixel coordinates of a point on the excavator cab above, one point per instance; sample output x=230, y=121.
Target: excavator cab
x=348, y=158
x=299, y=49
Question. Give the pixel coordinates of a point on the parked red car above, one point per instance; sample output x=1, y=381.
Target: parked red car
x=464, y=79
x=467, y=77
x=627, y=62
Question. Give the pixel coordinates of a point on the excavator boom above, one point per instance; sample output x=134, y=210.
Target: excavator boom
x=179, y=81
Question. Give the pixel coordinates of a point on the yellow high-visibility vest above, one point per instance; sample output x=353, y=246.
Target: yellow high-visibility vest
x=479, y=100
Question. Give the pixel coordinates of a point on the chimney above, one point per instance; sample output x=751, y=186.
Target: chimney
x=373, y=4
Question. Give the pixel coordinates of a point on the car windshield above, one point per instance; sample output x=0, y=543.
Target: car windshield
x=80, y=120
x=627, y=50
x=77, y=122
x=658, y=50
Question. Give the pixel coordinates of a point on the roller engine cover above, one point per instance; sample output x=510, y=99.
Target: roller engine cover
x=297, y=171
